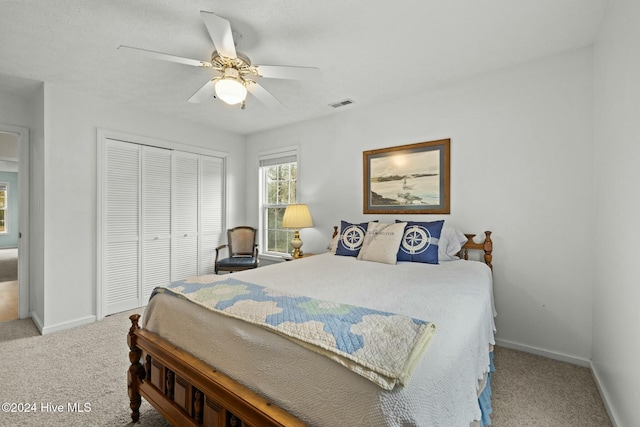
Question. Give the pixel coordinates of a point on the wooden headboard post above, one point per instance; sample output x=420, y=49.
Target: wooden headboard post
x=486, y=246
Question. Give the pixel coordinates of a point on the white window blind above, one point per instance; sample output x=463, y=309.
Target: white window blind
x=278, y=159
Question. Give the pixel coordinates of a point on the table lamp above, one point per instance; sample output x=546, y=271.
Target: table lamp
x=297, y=216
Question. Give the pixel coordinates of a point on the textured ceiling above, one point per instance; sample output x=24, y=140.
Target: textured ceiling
x=368, y=51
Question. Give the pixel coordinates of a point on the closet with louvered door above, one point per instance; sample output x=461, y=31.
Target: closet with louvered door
x=185, y=215
x=162, y=216
x=212, y=230
x=121, y=224
x=197, y=213
x=156, y=219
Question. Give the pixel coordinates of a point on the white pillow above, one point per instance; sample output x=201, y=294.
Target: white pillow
x=333, y=244
x=381, y=242
x=450, y=243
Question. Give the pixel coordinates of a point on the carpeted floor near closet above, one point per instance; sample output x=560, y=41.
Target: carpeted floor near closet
x=89, y=364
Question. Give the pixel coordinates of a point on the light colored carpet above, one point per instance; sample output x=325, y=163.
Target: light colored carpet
x=534, y=391
x=84, y=365
x=8, y=265
x=89, y=365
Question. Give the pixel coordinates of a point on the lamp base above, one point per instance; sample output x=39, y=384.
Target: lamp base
x=297, y=244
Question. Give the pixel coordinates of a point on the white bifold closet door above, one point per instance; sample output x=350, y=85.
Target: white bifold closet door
x=163, y=218
x=156, y=219
x=121, y=227
x=185, y=216
x=197, y=213
x=212, y=232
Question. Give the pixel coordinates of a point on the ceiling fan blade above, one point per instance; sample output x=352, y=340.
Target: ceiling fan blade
x=220, y=32
x=206, y=91
x=263, y=95
x=166, y=56
x=290, y=73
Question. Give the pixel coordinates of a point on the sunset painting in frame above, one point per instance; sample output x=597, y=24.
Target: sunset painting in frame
x=408, y=179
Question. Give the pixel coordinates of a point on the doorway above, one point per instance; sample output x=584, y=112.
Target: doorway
x=14, y=217
x=9, y=226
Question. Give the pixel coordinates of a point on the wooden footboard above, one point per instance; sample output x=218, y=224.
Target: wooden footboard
x=189, y=392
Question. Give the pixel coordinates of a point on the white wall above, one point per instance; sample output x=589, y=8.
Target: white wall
x=521, y=160
x=8, y=151
x=71, y=121
x=616, y=340
x=8, y=145
x=14, y=110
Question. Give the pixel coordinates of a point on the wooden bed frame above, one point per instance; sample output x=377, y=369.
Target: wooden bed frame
x=189, y=392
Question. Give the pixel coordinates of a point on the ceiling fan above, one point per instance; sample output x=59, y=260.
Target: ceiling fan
x=235, y=74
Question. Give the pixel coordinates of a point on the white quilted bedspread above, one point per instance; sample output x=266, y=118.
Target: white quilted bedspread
x=455, y=295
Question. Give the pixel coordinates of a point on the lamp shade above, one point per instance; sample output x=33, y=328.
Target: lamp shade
x=229, y=88
x=230, y=91
x=297, y=216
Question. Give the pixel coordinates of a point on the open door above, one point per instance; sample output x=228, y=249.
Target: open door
x=14, y=219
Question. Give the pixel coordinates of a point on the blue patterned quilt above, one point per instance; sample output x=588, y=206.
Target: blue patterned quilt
x=382, y=347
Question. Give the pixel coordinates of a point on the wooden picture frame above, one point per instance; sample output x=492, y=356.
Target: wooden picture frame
x=408, y=179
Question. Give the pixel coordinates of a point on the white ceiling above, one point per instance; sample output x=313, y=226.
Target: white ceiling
x=368, y=51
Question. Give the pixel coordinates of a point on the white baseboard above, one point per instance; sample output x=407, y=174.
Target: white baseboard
x=604, y=395
x=546, y=353
x=38, y=322
x=66, y=325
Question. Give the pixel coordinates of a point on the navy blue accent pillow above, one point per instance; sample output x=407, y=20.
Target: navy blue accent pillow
x=420, y=242
x=351, y=238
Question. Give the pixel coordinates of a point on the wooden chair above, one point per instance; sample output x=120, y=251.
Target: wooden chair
x=243, y=250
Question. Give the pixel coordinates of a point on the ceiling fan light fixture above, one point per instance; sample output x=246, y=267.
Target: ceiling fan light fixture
x=236, y=74
x=230, y=88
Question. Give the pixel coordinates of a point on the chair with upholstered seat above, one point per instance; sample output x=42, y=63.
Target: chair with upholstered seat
x=242, y=248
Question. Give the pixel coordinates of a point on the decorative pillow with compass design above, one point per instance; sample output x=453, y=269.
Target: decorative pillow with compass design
x=420, y=242
x=351, y=238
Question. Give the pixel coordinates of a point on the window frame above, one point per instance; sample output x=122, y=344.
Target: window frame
x=4, y=187
x=279, y=157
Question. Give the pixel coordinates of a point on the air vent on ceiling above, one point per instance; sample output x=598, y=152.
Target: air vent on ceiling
x=342, y=103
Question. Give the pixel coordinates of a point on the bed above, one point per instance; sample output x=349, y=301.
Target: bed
x=202, y=368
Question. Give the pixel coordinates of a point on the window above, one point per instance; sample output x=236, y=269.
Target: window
x=279, y=178
x=3, y=206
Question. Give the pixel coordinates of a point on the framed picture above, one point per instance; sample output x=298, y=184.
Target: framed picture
x=408, y=179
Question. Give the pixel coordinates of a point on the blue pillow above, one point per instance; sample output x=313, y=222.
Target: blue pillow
x=351, y=238
x=420, y=242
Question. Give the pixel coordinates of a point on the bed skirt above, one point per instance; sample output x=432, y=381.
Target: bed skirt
x=484, y=400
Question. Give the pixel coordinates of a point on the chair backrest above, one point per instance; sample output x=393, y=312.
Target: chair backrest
x=241, y=241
